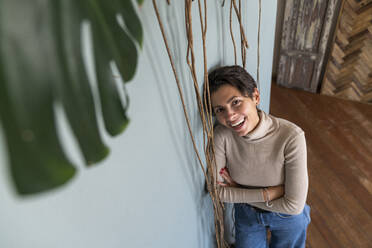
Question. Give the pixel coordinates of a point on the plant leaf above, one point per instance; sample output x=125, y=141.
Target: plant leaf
x=112, y=38
x=131, y=19
x=140, y=2
x=73, y=87
x=41, y=64
x=37, y=160
x=113, y=112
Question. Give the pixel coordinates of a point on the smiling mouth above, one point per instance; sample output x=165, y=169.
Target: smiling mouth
x=238, y=125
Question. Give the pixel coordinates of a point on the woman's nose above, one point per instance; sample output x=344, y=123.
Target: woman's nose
x=230, y=115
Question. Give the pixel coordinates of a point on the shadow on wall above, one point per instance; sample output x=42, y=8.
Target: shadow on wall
x=219, y=49
x=181, y=140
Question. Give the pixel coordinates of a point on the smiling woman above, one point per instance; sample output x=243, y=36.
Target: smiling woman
x=235, y=110
x=262, y=164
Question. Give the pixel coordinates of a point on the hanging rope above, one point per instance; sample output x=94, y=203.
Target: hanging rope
x=243, y=39
x=178, y=86
x=232, y=33
x=258, y=43
x=205, y=110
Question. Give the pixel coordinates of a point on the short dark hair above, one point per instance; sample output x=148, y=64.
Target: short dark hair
x=235, y=76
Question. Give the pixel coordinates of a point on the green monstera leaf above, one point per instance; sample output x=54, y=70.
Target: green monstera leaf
x=41, y=65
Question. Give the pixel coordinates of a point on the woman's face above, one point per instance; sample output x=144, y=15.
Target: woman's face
x=234, y=110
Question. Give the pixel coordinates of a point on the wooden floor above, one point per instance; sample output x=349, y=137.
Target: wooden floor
x=339, y=144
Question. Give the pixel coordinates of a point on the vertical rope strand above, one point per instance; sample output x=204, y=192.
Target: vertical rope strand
x=209, y=153
x=207, y=127
x=231, y=32
x=191, y=64
x=243, y=39
x=258, y=42
x=242, y=45
x=178, y=85
x=205, y=108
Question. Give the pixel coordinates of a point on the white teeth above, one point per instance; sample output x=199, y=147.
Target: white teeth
x=238, y=123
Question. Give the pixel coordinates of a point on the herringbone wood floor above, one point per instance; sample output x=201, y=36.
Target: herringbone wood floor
x=349, y=69
x=339, y=143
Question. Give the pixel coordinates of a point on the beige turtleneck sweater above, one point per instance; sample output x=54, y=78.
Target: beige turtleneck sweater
x=274, y=153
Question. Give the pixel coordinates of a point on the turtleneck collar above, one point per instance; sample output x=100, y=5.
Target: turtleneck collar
x=264, y=128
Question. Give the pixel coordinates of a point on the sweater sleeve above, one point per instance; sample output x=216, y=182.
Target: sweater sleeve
x=231, y=194
x=296, y=179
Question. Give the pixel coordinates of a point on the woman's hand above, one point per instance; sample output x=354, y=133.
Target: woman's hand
x=274, y=192
x=229, y=182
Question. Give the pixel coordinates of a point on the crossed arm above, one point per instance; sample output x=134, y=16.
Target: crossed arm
x=269, y=193
x=289, y=198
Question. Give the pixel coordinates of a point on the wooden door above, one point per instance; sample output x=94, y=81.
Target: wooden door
x=306, y=34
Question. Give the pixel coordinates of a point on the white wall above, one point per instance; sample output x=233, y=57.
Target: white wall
x=150, y=191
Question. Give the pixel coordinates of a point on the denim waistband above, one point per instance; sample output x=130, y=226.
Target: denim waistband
x=259, y=210
x=256, y=209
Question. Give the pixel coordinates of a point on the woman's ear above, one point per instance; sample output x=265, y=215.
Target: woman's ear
x=256, y=96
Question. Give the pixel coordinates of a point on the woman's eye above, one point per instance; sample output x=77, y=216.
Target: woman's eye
x=218, y=110
x=235, y=102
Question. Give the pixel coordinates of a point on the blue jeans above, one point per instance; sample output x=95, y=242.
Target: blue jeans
x=287, y=231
